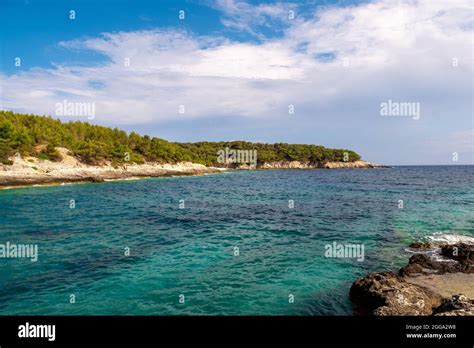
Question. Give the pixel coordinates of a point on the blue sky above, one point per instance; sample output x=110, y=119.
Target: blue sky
x=32, y=28
x=237, y=66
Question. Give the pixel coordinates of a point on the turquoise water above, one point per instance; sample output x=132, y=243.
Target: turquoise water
x=190, y=251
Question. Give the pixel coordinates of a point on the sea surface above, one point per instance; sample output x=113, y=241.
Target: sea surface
x=190, y=254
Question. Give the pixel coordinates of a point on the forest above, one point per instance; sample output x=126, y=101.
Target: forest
x=95, y=145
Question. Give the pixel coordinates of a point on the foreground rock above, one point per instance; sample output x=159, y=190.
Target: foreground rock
x=428, y=285
x=457, y=305
x=389, y=294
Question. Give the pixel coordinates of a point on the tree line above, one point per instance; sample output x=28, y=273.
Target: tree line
x=92, y=144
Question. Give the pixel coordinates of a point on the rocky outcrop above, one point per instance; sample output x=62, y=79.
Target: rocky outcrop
x=389, y=294
x=288, y=165
x=326, y=165
x=424, y=264
x=32, y=171
x=459, y=258
x=439, y=283
x=463, y=253
x=421, y=246
x=355, y=164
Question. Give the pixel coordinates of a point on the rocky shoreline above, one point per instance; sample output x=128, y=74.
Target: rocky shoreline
x=306, y=165
x=101, y=174
x=33, y=171
x=438, y=280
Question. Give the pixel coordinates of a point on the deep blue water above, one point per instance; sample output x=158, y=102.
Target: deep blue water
x=190, y=251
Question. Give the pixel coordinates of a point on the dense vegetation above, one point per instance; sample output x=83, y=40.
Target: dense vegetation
x=20, y=133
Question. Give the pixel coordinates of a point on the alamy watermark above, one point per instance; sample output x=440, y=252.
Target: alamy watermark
x=347, y=251
x=37, y=331
x=66, y=108
x=229, y=156
x=12, y=251
x=404, y=109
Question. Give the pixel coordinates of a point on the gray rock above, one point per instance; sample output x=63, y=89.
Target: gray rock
x=457, y=305
x=388, y=294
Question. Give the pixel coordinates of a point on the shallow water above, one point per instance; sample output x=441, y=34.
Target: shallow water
x=191, y=251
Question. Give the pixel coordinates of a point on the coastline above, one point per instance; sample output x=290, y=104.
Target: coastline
x=98, y=175
x=438, y=280
x=360, y=164
x=30, y=171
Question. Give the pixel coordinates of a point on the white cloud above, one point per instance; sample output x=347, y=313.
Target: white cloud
x=395, y=49
x=241, y=16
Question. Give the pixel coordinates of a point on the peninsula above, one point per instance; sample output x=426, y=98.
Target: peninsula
x=42, y=150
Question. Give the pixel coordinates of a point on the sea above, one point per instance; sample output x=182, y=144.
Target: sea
x=257, y=242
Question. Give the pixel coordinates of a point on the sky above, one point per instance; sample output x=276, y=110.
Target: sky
x=311, y=72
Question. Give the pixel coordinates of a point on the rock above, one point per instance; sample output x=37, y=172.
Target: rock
x=386, y=293
x=31, y=171
x=426, y=286
x=246, y=166
x=459, y=258
x=326, y=165
x=355, y=164
x=457, y=305
x=287, y=165
x=421, y=246
x=94, y=179
x=424, y=264
x=461, y=252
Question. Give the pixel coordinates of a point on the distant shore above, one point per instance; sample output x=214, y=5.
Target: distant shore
x=33, y=171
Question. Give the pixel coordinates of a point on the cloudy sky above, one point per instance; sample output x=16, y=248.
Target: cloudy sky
x=237, y=67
